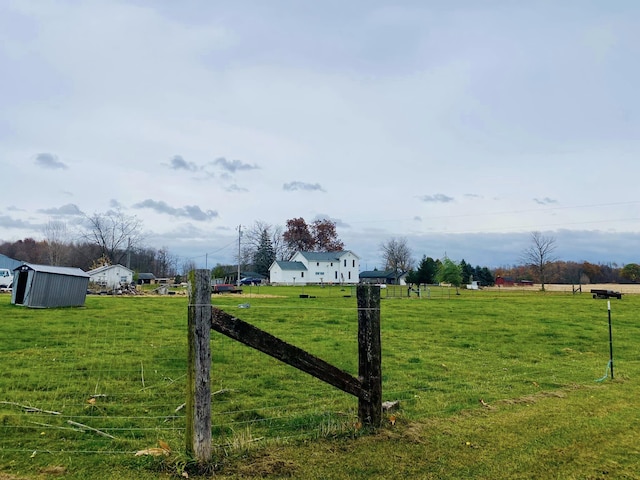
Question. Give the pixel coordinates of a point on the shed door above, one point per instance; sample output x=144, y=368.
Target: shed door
x=21, y=288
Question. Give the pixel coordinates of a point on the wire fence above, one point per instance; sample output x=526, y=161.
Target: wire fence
x=110, y=379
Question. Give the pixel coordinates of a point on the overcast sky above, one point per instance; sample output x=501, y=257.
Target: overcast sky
x=460, y=125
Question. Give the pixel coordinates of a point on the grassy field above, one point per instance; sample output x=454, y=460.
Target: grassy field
x=492, y=384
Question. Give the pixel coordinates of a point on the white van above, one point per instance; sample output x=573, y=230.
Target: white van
x=6, y=278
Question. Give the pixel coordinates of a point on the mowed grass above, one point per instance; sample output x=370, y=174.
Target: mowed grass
x=491, y=385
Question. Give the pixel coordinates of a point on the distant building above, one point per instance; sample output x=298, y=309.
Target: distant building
x=316, y=268
x=111, y=276
x=8, y=262
x=510, y=282
x=44, y=286
x=384, y=277
x=505, y=281
x=146, y=278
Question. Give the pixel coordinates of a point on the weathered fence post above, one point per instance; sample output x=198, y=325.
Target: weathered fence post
x=369, y=354
x=198, y=405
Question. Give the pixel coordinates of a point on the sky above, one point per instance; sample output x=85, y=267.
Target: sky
x=462, y=126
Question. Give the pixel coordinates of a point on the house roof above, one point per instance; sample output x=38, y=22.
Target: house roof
x=325, y=256
x=146, y=276
x=71, y=271
x=381, y=274
x=105, y=268
x=252, y=275
x=8, y=262
x=290, y=265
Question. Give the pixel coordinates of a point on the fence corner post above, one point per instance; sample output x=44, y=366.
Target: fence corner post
x=198, y=404
x=369, y=354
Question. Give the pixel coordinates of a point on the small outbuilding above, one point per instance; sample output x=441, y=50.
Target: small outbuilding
x=384, y=277
x=45, y=286
x=146, y=278
x=111, y=276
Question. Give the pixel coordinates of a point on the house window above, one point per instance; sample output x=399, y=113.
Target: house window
x=345, y=262
x=317, y=264
x=301, y=274
x=349, y=275
x=354, y=264
x=332, y=264
x=123, y=279
x=336, y=274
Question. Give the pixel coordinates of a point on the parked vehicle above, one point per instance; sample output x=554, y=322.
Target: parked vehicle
x=225, y=288
x=250, y=281
x=6, y=278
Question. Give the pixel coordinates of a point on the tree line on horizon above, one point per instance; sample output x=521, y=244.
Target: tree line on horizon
x=114, y=237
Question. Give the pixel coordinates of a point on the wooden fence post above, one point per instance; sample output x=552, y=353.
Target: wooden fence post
x=198, y=405
x=369, y=354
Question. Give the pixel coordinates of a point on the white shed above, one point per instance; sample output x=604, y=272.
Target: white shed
x=111, y=276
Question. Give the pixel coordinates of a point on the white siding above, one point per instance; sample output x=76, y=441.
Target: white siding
x=112, y=276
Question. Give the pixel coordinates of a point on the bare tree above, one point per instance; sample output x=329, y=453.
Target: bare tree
x=187, y=266
x=57, y=239
x=279, y=245
x=253, y=238
x=165, y=263
x=114, y=232
x=539, y=255
x=397, y=255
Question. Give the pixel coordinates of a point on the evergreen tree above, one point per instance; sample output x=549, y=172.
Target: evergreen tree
x=467, y=271
x=484, y=276
x=265, y=254
x=426, y=272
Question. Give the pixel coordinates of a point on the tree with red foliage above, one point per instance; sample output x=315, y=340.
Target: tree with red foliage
x=326, y=237
x=321, y=236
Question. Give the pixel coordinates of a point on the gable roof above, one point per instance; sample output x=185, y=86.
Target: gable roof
x=325, y=256
x=290, y=265
x=381, y=274
x=8, y=262
x=70, y=271
x=105, y=268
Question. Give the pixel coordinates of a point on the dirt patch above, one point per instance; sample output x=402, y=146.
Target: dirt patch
x=531, y=399
x=268, y=466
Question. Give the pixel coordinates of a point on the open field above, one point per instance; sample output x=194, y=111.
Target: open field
x=492, y=384
x=554, y=287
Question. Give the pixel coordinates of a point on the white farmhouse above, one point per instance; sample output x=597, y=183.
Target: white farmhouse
x=316, y=268
x=111, y=276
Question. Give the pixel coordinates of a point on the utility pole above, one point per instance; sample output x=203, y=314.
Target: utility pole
x=129, y=253
x=239, y=238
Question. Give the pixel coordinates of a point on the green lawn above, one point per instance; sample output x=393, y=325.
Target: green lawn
x=491, y=385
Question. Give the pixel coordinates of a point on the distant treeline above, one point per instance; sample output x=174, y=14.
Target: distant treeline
x=87, y=255
x=574, y=273
x=162, y=263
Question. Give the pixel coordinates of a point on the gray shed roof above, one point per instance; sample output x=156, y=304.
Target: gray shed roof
x=71, y=271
